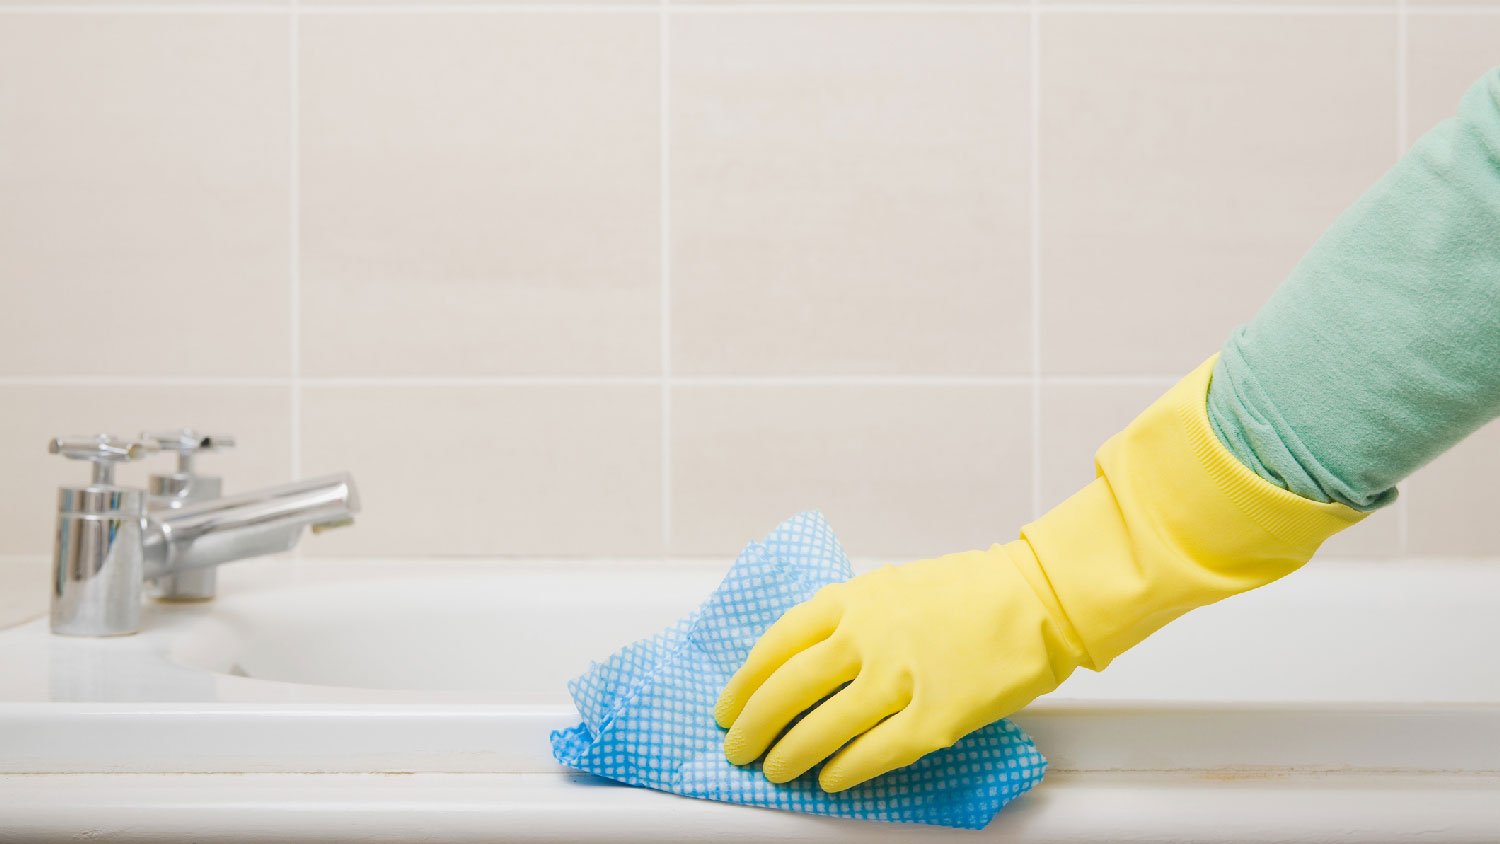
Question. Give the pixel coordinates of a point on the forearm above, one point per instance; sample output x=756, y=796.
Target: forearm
x=1382, y=348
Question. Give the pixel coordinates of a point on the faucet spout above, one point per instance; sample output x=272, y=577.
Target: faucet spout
x=250, y=524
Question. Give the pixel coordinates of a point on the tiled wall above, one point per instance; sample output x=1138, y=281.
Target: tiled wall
x=630, y=279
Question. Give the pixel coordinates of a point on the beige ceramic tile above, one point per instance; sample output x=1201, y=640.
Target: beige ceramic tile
x=1454, y=504
x=1018, y=5
x=443, y=471
x=1448, y=54
x=144, y=170
x=259, y=418
x=1187, y=163
x=1077, y=419
x=25, y=588
x=107, y=6
x=456, y=4
x=899, y=471
x=480, y=194
x=849, y=194
x=1189, y=4
x=1378, y=536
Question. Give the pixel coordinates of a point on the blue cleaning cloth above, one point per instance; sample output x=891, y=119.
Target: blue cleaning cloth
x=648, y=710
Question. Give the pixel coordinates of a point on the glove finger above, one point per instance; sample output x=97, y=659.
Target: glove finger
x=804, y=680
x=798, y=629
x=859, y=707
x=895, y=743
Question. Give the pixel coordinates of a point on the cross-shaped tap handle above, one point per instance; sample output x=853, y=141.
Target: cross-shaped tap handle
x=103, y=450
x=187, y=443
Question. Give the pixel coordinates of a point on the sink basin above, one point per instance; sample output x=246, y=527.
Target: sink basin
x=516, y=637
x=517, y=633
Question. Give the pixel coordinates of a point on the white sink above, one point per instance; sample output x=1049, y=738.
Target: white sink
x=447, y=667
x=462, y=666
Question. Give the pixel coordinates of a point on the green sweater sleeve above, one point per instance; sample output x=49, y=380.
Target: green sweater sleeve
x=1382, y=348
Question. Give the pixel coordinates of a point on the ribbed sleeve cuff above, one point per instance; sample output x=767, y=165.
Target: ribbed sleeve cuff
x=1295, y=520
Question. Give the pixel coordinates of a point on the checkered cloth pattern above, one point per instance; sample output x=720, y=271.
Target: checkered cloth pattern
x=648, y=710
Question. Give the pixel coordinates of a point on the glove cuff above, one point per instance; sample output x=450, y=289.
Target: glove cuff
x=1172, y=522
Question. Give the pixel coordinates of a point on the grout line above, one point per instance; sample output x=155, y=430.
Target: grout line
x=140, y=381
x=690, y=381
x=487, y=381
x=854, y=381
x=657, y=8
x=1452, y=9
x=686, y=381
x=1110, y=380
x=1261, y=9
x=295, y=270
x=1050, y=8
x=1402, y=85
x=476, y=8
x=142, y=9
x=1035, y=106
x=664, y=46
x=840, y=8
x=737, y=8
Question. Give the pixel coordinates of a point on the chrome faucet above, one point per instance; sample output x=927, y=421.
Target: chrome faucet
x=112, y=539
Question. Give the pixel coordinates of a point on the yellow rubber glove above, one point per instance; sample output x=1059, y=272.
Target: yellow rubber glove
x=932, y=650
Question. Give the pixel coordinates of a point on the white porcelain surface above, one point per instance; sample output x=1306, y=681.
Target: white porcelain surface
x=461, y=666
x=1312, y=708
x=1067, y=809
x=516, y=632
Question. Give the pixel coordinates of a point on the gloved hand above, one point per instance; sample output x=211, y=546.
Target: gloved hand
x=1173, y=521
x=941, y=646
